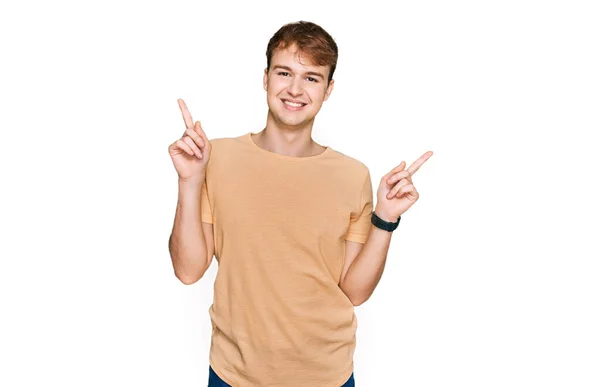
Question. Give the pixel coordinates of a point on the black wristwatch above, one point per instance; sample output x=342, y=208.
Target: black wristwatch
x=382, y=224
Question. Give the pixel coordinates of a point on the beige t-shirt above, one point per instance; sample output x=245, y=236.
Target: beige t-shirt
x=280, y=224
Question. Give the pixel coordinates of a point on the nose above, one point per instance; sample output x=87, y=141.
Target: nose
x=295, y=87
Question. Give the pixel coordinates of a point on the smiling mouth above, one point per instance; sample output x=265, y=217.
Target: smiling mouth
x=293, y=104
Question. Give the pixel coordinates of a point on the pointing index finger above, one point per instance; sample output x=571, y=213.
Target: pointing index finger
x=414, y=167
x=187, y=117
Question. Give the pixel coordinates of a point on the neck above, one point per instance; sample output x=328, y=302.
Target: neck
x=294, y=141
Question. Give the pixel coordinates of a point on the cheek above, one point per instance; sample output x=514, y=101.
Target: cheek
x=274, y=88
x=277, y=82
x=317, y=94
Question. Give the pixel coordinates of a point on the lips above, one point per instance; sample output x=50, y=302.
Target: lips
x=290, y=104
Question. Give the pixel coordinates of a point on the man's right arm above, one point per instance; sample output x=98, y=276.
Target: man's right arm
x=191, y=243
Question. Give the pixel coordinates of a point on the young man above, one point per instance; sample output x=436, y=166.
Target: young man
x=292, y=226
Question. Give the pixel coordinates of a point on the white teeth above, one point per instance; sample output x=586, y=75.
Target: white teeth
x=293, y=104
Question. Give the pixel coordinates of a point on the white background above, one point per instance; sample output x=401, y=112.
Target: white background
x=491, y=278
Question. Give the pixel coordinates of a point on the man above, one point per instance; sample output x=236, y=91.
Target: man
x=292, y=226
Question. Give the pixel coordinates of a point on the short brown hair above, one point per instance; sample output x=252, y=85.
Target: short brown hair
x=311, y=40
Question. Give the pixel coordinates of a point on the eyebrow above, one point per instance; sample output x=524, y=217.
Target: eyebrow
x=306, y=73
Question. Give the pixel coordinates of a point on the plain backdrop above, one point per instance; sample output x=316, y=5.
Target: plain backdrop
x=492, y=278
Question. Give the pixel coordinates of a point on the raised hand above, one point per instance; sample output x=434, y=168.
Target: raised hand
x=190, y=153
x=396, y=192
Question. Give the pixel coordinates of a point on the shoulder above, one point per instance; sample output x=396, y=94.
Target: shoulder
x=223, y=141
x=352, y=164
x=224, y=152
x=226, y=142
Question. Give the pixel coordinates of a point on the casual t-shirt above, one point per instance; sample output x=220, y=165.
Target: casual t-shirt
x=280, y=223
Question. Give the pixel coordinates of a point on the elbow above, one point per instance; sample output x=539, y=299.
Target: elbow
x=187, y=278
x=360, y=298
x=358, y=301
x=354, y=298
x=187, y=271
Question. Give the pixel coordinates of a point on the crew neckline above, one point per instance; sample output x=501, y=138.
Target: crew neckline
x=248, y=137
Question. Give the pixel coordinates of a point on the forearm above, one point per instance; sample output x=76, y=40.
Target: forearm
x=187, y=244
x=367, y=268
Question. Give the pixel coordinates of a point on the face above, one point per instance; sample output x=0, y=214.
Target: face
x=296, y=89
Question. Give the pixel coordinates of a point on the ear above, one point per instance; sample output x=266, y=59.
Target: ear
x=266, y=79
x=329, y=90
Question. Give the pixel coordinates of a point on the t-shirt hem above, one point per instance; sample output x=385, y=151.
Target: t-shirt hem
x=207, y=218
x=338, y=383
x=218, y=371
x=345, y=378
x=356, y=238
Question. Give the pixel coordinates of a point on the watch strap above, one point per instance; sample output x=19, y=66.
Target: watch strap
x=382, y=224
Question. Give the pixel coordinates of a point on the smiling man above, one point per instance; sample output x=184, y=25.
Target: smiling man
x=291, y=224
x=301, y=59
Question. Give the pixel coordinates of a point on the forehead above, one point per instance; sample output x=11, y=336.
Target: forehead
x=291, y=56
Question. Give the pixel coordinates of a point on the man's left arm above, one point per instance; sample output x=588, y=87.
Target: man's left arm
x=363, y=265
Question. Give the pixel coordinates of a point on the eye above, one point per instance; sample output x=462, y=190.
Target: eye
x=284, y=73
x=311, y=79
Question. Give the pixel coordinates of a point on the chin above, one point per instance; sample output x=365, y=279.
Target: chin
x=288, y=122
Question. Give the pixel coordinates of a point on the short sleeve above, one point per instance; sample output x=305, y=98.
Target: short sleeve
x=205, y=205
x=360, y=221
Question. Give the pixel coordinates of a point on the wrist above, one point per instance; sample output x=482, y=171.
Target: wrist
x=384, y=216
x=191, y=184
